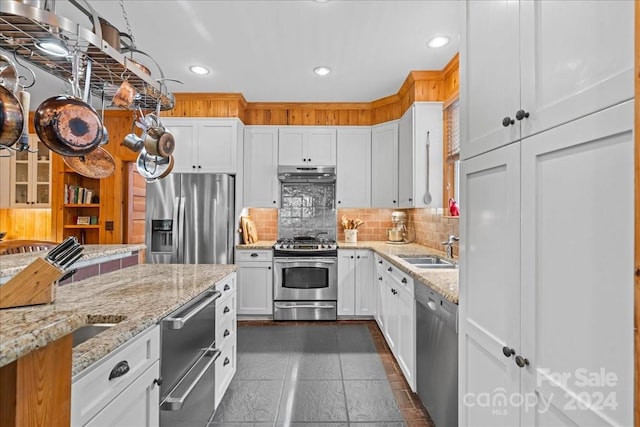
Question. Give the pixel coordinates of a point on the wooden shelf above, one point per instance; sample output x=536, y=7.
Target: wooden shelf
x=82, y=226
x=82, y=205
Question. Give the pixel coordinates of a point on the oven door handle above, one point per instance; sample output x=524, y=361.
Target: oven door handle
x=304, y=261
x=304, y=306
x=179, y=322
x=174, y=403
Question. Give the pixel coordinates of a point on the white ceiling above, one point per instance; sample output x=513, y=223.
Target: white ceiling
x=267, y=49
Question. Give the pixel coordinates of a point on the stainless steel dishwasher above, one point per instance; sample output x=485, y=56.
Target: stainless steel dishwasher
x=437, y=354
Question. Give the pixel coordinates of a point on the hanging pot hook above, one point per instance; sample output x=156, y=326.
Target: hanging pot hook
x=33, y=75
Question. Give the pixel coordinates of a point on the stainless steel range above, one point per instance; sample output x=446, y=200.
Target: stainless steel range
x=305, y=278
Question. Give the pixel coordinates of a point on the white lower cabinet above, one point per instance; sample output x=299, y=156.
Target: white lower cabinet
x=355, y=282
x=546, y=278
x=255, y=281
x=398, y=316
x=102, y=397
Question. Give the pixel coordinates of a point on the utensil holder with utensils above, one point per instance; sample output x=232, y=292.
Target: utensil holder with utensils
x=35, y=284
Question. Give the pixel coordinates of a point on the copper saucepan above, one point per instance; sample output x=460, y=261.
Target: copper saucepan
x=11, y=118
x=68, y=126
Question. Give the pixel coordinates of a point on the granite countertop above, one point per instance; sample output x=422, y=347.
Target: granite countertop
x=260, y=244
x=445, y=281
x=10, y=265
x=136, y=297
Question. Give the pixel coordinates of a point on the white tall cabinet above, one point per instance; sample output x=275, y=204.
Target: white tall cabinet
x=353, y=183
x=539, y=68
x=261, y=187
x=384, y=165
x=546, y=271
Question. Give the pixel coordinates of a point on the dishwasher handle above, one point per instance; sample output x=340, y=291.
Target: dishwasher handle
x=179, y=322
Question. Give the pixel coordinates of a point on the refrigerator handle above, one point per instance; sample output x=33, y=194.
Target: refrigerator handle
x=181, y=230
x=176, y=230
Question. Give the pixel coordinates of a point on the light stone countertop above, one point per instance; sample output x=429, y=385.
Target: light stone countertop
x=260, y=244
x=443, y=281
x=10, y=265
x=137, y=297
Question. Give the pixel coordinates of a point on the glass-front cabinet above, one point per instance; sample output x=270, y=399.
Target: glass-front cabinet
x=31, y=176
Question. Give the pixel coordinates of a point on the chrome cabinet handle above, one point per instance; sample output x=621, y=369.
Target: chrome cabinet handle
x=303, y=306
x=179, y=322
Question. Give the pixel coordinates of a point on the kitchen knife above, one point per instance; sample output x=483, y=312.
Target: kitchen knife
x=67, y=243
x=56, y=260
x=73, y=259
x=68, y=274
x=64, y=261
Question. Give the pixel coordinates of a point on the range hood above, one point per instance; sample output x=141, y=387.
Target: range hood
x=307, y=174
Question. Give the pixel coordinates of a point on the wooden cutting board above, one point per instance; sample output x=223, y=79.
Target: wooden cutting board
x=243, y=229
x=252, y=231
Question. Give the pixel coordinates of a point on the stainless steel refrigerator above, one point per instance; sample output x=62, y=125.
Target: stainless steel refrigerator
x=190, y=219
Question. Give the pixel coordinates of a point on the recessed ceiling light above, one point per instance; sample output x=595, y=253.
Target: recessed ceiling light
x=321, y=1
x=53, y=47
x=199, y=69
x=438, y=41
x=322, y=71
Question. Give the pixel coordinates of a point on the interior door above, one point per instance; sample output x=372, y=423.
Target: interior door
x=136, y=192
x=489, y=288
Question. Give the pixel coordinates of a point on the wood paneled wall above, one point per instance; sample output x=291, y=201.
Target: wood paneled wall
x=28, y=224
x=418, y=86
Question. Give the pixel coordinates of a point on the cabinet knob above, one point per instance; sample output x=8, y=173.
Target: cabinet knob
x=226, y=361
x=158, y=381
x=199, y=167
x=253, y=255
x=521, y=361
x=507, y=121
x=351, y=257
x=358, y=257
x=389, y=269
x=404, y=280
x=394, y=202
x=309, y=159
x=193, y=166
x=269, y=267
x=274, y=202
x=339, y=202
x=304, y=160
x=380, y=262
x=226, y=310
x=226, y=333
x=227, y=287
x=521, y=114
x=508, y=352
x=410, y=199
x=379, y=277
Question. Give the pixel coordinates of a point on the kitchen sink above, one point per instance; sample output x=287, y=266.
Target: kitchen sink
x=89, y=331
x=428, y=261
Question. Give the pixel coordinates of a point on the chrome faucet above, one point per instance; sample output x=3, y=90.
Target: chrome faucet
x=449, y=245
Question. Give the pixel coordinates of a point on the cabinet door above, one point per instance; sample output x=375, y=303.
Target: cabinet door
x=137, y=405
x=30, y=176
x=406, y=159
x=291, y=146
x=261, y=186
x=489, y=284
x=380, y=294
x=489, y=75
x=185, y=133
x=217, y=147
x=255, y=288
x=577, y=269
x=384, y=166
x=364, y=283
x=320, y=147
x=346, y=282
x=570, y=74
x=406, y=350
x=390, y=317
x=353, y=184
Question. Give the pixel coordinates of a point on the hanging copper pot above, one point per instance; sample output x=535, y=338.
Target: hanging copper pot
x=68, y=126
x=97, y=164
x=11, y=118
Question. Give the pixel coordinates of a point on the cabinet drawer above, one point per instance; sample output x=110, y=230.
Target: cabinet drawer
x=402, y=279
x=92, y=389
x=243, y=255
x=226, y=309
x=225, y=331
x=227, y=286
x=225, y=369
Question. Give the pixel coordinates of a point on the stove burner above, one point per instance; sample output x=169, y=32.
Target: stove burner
x=305, y=245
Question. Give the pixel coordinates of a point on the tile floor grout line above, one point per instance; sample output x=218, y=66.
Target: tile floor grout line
x=344, y=389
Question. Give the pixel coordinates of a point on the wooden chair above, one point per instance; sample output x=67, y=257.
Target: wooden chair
x=24, y=246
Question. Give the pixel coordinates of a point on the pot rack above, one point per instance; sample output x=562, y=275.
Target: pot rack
x=22, y=25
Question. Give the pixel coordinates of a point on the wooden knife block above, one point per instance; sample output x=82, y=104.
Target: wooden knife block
x=35, y=284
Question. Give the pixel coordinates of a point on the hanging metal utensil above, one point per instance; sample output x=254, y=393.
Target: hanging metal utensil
x=427, y=194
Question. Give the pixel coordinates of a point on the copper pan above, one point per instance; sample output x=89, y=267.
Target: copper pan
x=97, y=164
x=11, y=118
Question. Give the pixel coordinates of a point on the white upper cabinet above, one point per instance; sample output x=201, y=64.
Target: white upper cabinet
x=353, y=183
x=260, y=186
x=421, y=125
x=384, y=165
x=541, y=75
x=205, y=145
x=307, y=146
x=30, y=176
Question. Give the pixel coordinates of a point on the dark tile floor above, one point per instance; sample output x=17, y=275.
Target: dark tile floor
x=312, y=374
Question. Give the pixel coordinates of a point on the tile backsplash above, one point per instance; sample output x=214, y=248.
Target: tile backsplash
x=430, y=226
x=307, y=208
